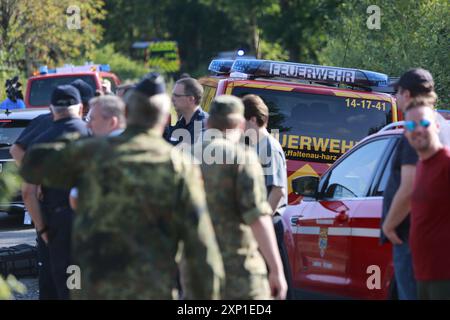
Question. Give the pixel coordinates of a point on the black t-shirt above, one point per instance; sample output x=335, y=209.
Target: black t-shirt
x=52, y=197
x=404, y=155
x=36, y=127
x=198, y=116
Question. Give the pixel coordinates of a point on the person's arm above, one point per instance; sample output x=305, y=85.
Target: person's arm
x=275, y=195
x=201, y=266
x=30, y=198
x=276, y=179
x=17, y=152
x=401, y=204
x=265, y=236
x=56, y=165
x=257, y=213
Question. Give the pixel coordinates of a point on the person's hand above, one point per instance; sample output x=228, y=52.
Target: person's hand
x=391, y=234
x=43, y=233
x=278, y=285
x=44, y=237
x=39, y=194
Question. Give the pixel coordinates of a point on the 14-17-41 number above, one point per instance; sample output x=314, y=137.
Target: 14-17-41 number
x=365, y=104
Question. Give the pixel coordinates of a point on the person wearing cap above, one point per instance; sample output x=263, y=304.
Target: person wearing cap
x=186, y=98
x=413, y=85
x=53, y=216
x=31, y=200
x=141, y=210
x=86, y=93
x=237, y=199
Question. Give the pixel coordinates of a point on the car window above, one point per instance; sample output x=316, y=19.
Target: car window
x=318, y=127
x=385, y=177
x=352, y=177
x=41, y=89
x=10, y=130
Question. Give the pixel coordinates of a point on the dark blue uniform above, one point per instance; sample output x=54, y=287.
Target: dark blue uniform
x=198, y=116
x=57, y=214
x=36, y=127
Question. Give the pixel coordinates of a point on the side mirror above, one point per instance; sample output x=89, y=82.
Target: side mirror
x=306, y=186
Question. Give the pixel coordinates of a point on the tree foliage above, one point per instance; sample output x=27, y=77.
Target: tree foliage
x=412, y=34
x=36, y=32
x=285, y=29
x=121, y=64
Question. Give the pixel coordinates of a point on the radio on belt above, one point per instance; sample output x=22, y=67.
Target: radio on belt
x=269, y=69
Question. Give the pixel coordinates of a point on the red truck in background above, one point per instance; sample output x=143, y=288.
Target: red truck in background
x=40, y=86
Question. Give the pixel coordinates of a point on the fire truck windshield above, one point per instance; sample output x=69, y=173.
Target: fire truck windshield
x=320, y=128
x=41, y=89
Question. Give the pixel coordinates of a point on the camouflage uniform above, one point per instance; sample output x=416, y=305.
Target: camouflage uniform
x=236, y=197
x=139, y=202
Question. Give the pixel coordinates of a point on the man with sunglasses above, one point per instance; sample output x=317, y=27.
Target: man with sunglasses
x=186, y=98
x=415, y=83
x=430, y=204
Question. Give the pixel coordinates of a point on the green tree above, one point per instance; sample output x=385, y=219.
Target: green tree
x=120, y=64
x=246, y=17
x=412, y=34
x=37, y=32
x=131, y=21
x=301, y=26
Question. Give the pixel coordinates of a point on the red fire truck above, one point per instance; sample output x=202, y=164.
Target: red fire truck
x=41, y=85
x=318, y=113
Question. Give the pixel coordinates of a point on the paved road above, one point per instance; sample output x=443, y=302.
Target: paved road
x=13, y=232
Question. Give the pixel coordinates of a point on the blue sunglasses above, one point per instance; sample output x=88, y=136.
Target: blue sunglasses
x=412, y=125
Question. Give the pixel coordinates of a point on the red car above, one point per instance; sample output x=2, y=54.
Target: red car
x=333, y=235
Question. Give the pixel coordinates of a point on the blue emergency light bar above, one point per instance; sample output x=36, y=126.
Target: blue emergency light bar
x=309, y=72
x=220, y=66
x=71, y=68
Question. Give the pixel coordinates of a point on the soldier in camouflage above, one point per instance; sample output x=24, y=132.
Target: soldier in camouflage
x=141, y=204
x=239, y=210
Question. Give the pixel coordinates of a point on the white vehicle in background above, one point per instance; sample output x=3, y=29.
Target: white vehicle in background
x=12, y=123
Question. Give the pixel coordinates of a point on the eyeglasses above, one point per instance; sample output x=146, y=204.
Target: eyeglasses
x=176, y=95
x=412, y=125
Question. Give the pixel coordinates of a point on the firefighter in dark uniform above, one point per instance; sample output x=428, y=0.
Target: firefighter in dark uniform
x=186, y=98
x=56, y=212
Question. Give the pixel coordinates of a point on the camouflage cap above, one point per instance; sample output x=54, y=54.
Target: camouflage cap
x=226, y=106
